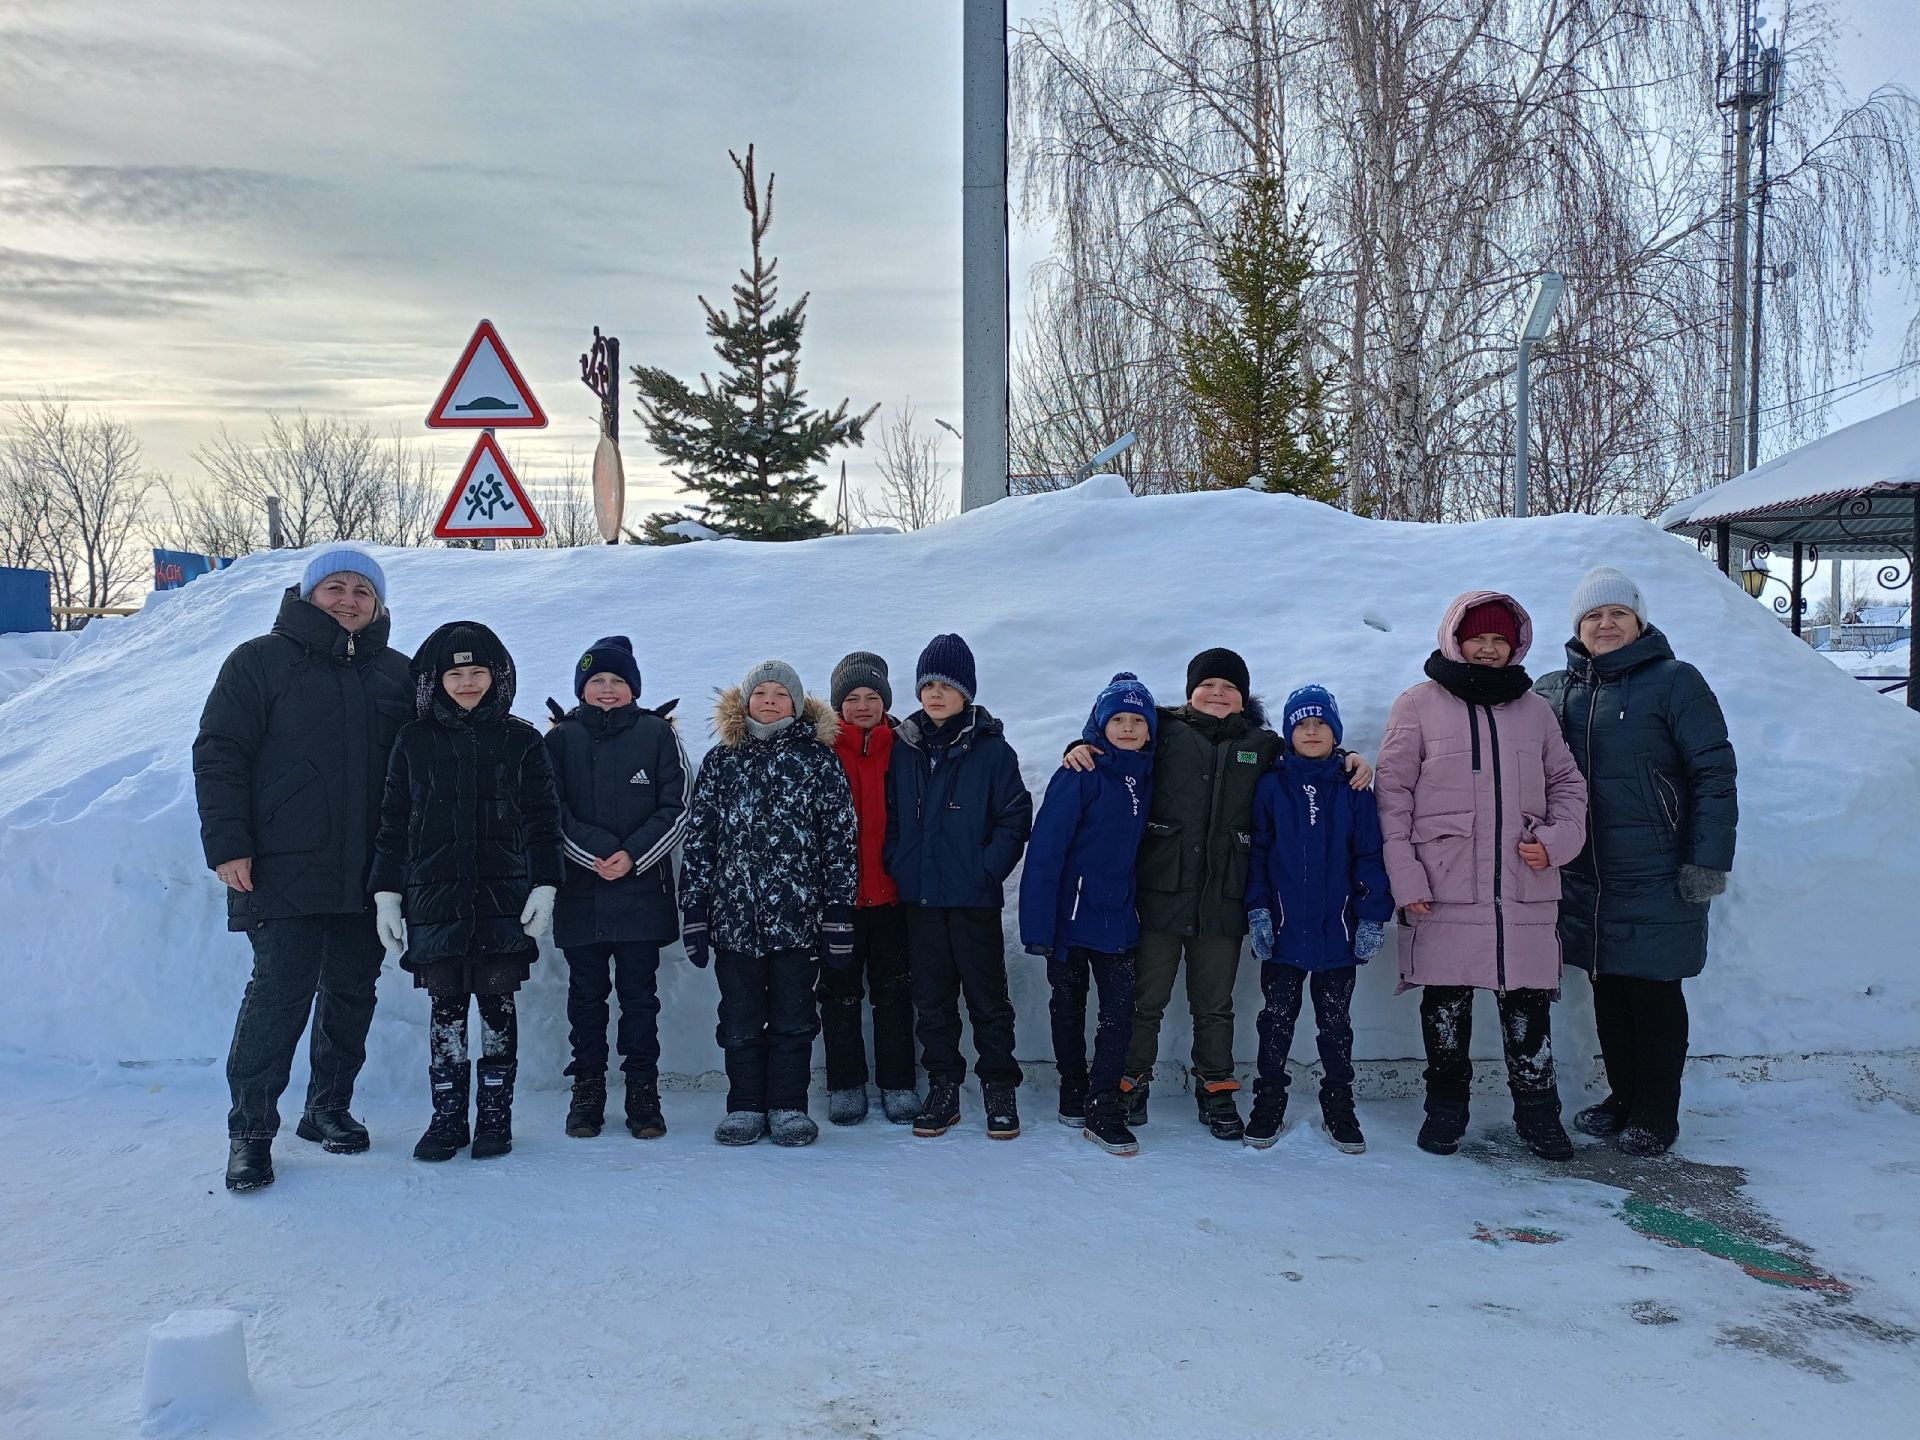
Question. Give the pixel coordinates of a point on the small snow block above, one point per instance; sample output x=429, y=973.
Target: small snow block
x=196, y=1361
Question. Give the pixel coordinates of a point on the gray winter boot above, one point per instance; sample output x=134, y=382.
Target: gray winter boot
x=847, y=1107
x=792, y=1127
x=741, y=1127
x=902, y=1107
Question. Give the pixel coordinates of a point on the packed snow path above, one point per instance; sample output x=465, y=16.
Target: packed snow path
x=879, y=1286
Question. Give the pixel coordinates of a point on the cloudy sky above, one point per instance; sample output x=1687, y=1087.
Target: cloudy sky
x=212, y=209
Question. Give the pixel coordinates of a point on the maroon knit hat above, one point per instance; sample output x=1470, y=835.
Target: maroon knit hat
x=1489, y=617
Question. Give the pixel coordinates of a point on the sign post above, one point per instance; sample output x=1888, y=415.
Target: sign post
x=485, y=392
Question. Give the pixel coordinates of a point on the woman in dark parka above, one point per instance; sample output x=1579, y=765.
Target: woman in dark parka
x=1648, y=734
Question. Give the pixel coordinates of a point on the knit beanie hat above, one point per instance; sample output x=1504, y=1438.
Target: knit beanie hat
x=342, y=559
x=948, y=660
x=1313, y=702
x=1489, y=617
x=1218, y=664
x=779, y=673
x=609, y=655
x=1125, y=695
x=1605, y=585
x=862, y=670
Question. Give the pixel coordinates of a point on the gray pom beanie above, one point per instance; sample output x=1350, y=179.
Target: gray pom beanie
x=1604, y=585
x=780, y=673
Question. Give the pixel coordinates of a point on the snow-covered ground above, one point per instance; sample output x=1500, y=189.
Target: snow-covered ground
x=26, y=656
x=879, y=1286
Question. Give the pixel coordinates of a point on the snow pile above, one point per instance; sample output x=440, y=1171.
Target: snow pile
x=27, y=655
x=118, y=950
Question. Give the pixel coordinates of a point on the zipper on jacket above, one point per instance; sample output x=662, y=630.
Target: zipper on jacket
x=1499, y=858
x=1078, y=885
x=349, y=647
x=1662, y=789
x=1593, y=829
x=1473, y=724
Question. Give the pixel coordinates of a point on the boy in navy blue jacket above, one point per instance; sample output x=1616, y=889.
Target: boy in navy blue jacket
x=1317, y=903
x=958, y=815
x=1076, y=906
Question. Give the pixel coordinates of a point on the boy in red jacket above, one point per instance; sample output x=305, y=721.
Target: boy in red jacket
x=863, y=696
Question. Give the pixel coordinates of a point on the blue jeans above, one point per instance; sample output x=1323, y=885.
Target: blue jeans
x=636, y=969
x=1332, y=999
x=1068, y=974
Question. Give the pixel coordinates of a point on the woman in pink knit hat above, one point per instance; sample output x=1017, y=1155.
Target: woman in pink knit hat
x=1480, y=804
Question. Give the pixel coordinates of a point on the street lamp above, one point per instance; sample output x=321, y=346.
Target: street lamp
x=1548, y=290
x=1755, y=574
x=949, y=429
x=1111, y=452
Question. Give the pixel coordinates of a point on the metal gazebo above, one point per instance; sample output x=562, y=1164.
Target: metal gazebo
x=1850, y=495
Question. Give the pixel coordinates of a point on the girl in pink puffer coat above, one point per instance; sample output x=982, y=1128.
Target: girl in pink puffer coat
x=1480, y=804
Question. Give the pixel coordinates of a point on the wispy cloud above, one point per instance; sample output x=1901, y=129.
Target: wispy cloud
x=115, y=289
x=168, y=195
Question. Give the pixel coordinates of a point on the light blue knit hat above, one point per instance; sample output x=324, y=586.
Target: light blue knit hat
x=342, y=559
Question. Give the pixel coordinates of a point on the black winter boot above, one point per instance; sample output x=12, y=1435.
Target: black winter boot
x=335, y=1131
x=1269, y=1118
x=1343, y=1128
x=1107, y=1125
x=644, y=1120
x=1073, y=1102
x=1134, y=1091
x=493, y=1109
x=1003, y=1113
x=1645, y=1142
x=941, y=1111
x=1219, y=1111
x=249, y=1165
x=1444, y=1126
x=1537, y=1118
x=1602, y=1121
x=588, y=1111
x=447, y=1132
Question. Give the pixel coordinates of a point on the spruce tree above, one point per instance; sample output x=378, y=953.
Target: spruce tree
x=747, y=444
x=1257, y=409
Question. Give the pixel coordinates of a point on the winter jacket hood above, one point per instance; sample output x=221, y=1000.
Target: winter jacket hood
x=1649, y=735
x=731, y=727
x=1457, y=611
x=1317, y=865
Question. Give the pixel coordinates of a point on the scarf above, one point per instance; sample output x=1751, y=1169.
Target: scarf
x=1478, y=684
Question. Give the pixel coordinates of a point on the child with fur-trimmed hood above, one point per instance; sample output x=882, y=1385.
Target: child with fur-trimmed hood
x=768, y=877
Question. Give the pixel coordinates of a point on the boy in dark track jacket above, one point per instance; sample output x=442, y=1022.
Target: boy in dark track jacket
x=1077, y=906
x=1317, y=903
x=862, y=695
x=622, y=778
x=958, y=815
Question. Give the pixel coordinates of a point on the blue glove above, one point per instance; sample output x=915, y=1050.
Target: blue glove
x=836, y=937
x=1260, y=927
x=1367, y=939
x=693, y=935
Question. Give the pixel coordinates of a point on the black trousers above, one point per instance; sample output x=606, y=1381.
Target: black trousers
x=880, y=961
x=499, y=1030
x=1643, y=1044
x=767, y=1025
x=1332, y=1006
x=332, y=958
x=636, y=970
x=1526, y=1040
x=959, y=950
x=1068, y=975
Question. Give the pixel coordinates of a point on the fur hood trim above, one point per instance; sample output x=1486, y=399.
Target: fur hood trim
x=816, y=718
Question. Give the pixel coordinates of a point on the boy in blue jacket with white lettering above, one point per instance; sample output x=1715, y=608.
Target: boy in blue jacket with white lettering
x=1317, y=906
x=1076, y=905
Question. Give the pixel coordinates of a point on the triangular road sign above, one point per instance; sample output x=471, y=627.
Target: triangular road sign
x=487, y=501
x=486, y=390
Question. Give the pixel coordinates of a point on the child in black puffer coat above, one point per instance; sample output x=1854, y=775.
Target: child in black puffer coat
x=768, y=876
x=469, y=850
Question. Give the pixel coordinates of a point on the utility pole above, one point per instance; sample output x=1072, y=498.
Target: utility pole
x=1772, y=62
x=1747, y=97
x=984, y=326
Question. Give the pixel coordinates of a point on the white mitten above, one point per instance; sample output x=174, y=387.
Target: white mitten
x=387, y=923
x=537, y=918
